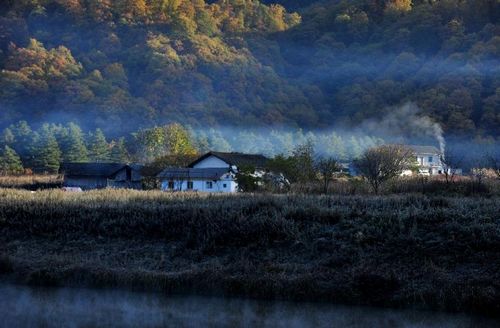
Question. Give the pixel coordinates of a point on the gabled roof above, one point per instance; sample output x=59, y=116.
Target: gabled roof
x=133, y=167
x=424, y=149
x=95, y=169
x=190, y=173
x=238, y=159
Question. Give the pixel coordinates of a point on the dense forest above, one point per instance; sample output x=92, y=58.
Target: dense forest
x=24, y=149
x=127, y=65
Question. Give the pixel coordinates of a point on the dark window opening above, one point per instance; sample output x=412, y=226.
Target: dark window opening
x=190, y=184
x=170, y=185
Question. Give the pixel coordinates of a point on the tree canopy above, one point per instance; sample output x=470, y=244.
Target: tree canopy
x=125, y=65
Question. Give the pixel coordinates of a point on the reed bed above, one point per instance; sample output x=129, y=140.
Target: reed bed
x=401, y=250
x=31, y=182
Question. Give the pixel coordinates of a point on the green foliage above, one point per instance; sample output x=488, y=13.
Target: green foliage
x=99, y=150
x=299, y=166
x=190, y=45
x=247, y=180
x=8, y=137
x=10, y=162
x=74, y=148
x=303, y=163
x=47, y=154
x=119, y=152
x=23, y=141
x=143, y=63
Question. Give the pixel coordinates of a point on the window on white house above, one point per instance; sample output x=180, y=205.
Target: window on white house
x=170, y=185
x=190, y=185
x=430, y=159
x=224, y=185
x=209, y=184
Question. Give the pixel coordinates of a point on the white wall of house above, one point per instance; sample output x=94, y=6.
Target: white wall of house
x=211, y=162
x=225, y=184
x=430, y=164
x=428, y=160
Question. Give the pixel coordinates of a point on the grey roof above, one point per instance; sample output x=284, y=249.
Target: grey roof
x=238, y=159
x=95, y=169
x=190, y=173
x=424, y=149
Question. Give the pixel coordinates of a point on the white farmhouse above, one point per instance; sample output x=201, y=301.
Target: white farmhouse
x=428, y=159
x=212, y=172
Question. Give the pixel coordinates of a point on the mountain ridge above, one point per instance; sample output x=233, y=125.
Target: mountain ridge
x=136, y=63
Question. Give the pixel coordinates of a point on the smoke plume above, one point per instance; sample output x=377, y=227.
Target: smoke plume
x=407, y=123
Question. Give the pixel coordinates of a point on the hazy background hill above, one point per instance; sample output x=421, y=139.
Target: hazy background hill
x=123, y=65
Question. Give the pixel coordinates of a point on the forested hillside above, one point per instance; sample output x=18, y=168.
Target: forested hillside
x=130, y=64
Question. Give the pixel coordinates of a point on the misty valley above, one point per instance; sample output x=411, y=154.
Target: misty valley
x=249, y=163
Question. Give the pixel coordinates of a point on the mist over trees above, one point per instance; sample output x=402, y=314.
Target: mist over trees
x=122, y=66
x=42, y=150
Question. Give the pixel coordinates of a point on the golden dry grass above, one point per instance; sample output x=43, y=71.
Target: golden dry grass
x=27, y=181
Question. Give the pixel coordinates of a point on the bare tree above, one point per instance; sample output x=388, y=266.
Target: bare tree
x=384, y=163
x=327, y=167
x=450, y=161
x=478, y=174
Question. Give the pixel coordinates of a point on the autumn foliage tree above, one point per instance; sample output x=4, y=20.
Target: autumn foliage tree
x=144, y=63
x=160, y=141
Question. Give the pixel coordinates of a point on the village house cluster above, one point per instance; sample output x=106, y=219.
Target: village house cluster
x=212, y=172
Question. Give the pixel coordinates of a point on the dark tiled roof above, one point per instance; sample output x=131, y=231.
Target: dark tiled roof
x=95, y=169
x=190, y=173
x=238, y=159
x=424, y=149
x=133, y=167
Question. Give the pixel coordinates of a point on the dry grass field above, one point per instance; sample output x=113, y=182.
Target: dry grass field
x=31, y=182
x=401, y=250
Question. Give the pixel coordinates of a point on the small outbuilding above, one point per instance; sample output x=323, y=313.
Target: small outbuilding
x=102, y=175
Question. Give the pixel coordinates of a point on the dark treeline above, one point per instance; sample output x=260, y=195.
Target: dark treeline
x=300, y=156
x=130, y=64
x=43, y=149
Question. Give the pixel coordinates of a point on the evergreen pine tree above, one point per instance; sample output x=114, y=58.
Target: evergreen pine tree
x=98, y=147
x=47, y=152
x=7, y=138
x=24, y=142
x=119, y=152
x=74, y=149
x=10, y=162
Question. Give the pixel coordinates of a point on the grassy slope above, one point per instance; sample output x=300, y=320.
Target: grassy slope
x=440, y=253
